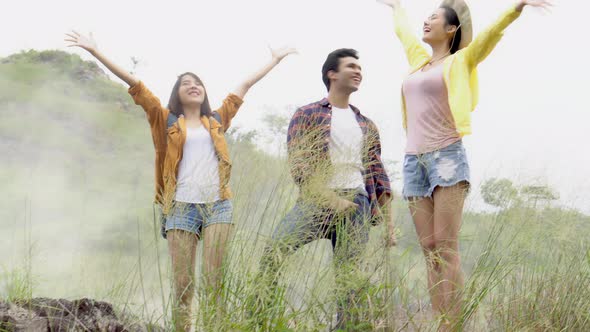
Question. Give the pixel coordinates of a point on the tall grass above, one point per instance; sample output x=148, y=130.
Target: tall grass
x=76, y=221
x=514, y=281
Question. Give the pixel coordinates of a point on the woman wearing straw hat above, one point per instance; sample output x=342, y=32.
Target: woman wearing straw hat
x=437, y=99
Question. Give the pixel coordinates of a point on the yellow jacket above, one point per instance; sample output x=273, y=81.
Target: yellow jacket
x=460, y=69
x=169, y=142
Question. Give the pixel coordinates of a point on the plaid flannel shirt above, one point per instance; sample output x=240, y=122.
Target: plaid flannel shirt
x=308, y=142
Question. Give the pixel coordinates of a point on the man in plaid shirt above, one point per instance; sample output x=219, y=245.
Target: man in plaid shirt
x=335, y=159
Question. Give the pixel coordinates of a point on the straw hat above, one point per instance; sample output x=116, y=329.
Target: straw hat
x=464, y=17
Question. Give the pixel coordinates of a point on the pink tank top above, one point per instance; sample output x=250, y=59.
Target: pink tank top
x=431, y=125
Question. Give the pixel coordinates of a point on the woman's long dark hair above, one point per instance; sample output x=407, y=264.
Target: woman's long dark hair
x=174, y=104
x=453, y=19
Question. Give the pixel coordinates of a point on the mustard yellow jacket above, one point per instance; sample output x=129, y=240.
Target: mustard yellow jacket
x=169, y=142
x=460, y=69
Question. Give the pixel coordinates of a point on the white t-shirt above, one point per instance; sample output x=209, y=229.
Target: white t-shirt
x=346, y=141
x=198, y=173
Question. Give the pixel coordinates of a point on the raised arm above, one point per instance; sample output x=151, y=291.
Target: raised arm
x=89, y=44
x=232, y=103
x=156, y=114
x=394, y=4
x=544, y=4
x=487, y=40
x=277, y=56
x=416, y=53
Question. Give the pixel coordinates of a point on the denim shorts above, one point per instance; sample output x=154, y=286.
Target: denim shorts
x=307, y=222
x=193, y=217
x=442, y=168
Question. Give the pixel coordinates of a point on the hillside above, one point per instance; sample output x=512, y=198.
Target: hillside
x=77, y=222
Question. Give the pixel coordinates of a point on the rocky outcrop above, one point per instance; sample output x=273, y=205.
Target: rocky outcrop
x=43, y=314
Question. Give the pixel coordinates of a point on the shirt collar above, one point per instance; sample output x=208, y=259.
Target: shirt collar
x=326, y=103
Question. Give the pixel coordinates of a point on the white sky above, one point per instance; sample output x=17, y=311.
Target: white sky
x=531, y=124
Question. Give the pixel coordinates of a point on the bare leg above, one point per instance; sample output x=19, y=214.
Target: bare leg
x=422, y=210
x=182, y=246
x=448, y=215
x=216, y=237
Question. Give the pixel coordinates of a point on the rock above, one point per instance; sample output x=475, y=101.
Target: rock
x=15, y=318
x=79, y=315
x=43, y=314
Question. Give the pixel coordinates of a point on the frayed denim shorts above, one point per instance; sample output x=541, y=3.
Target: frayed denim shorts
x=442, y=168
x=193, y=217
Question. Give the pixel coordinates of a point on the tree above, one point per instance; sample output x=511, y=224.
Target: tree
x=499, y=193
x=535, y=194
x=277, y=123
x=135, y=61
x=276, y=126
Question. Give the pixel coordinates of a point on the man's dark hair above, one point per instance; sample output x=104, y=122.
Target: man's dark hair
x=333, y=61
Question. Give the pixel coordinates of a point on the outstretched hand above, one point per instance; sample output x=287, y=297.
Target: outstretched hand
x=76, y=39
x=279, y=53
x=391, y=3
x=542, y=4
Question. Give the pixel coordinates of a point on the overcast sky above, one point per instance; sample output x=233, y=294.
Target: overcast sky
x=532, y=123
